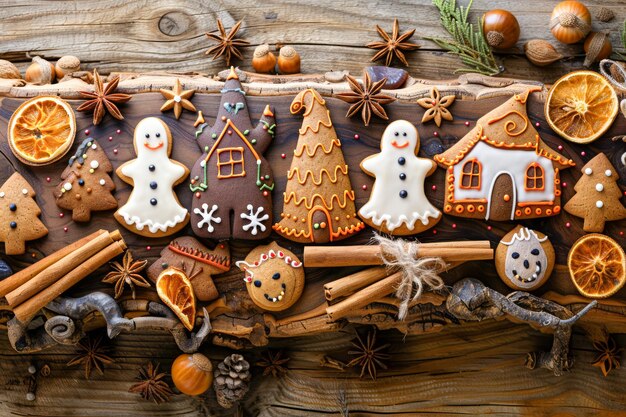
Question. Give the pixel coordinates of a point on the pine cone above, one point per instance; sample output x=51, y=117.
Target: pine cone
x=231, y=380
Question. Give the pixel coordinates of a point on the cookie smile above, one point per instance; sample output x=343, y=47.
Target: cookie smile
x=279, y=297
x=535, y=275
x=152, y=148
x=398, y=145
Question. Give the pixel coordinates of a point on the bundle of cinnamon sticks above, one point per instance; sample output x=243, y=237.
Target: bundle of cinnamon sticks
x=29, y=290
x=357, y=290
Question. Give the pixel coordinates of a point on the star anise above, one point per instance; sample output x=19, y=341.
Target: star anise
x=152, y=384
x=178, y=99
x=437, y=107
x=103, y=99
x=126, y=274
x=272, y=363
x=227, y=44
x=368, y=356
x=92, y=354
x=392, y=46
x=608, y=355
x=366, y=98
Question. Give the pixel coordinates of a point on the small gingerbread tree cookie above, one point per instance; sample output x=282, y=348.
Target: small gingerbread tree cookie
x=19, y=215
x=86, y=184
x=398, y=204
x=597, y=198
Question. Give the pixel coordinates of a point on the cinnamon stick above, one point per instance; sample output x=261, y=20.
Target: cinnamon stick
x=29, y=308
x=20, y=278
x=353, y=282
x=364, y=297
x=361, y=255
x=60, y=268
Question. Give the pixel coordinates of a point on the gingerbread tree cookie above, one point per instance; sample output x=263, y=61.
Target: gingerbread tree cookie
x=597, y=198
x=501, y=169
x=153, y=209
x=319, y=199
x=86, y=184
x=232, y=178
x=19, y=215
x=398, y=204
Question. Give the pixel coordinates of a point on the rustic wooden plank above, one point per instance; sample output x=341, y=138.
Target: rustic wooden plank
x=169, y=34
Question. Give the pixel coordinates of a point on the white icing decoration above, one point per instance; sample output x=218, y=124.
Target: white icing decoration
x=385, y=204
x=524, y=234
x=102, y=182
x=94, y=147
x=588, y=171
x=272, y=254
x=505, y=161
x=24, y=191
x=255, y=219
x=599, y=187
x=207, y=216
x=94, y=164
x=138, y=211
x=599, y=204
x=67, y=186
x=608, y=172
x=177, y=99
x=2, y=194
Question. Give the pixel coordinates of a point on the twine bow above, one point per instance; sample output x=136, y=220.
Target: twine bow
x=417, y=273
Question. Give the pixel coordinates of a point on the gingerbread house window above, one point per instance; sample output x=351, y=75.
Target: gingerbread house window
x=535, y=177
x=230, y=163
x=470, y=175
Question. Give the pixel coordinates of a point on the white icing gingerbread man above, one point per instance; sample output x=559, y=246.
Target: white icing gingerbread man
x=398, y=204
x=153, y=210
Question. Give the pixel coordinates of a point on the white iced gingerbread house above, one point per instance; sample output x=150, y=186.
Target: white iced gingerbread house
x=502, y=170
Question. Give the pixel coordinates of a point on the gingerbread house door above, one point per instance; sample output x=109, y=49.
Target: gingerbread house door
x=502, y=199
x=319, y=224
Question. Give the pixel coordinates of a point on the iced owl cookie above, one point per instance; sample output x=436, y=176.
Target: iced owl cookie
x=524, y=259
x=398, y=204
x=153, y=209
x=274, y=277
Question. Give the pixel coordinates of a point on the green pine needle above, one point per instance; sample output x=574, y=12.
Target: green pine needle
x=623, y=38
x=468, y=42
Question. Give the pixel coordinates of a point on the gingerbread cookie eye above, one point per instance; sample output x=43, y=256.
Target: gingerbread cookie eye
x=524, y=259
x=274, y=277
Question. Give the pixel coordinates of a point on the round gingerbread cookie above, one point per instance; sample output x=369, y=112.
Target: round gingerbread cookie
x=274, y=277
x=524, y=259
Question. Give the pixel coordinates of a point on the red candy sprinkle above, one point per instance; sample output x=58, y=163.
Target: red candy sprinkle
x=86, y=132
x=115, y=151
x=110, y=138
x=434, y=231
x=560, y=147
x=356, y=137
x=265, y=194
x=198, y=194
x=61, y=215
x=148, y=247
x=48, y=179
x=364, y=187
x=537, y=124
x=564, y=184
x=568, y=224
x=583, y=153
x=467, y=123
x=118, y=131
x=434, y=188
x=65, y=229
x=454, y=225
x=435, y=134
x=489, y=227
x=282, y=155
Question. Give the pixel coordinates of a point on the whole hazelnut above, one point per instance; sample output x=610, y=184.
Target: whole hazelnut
x=66, y=65
x=40, y=72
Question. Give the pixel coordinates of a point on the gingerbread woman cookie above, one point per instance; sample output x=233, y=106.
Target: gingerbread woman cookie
x=153, y=209
x=398, y=204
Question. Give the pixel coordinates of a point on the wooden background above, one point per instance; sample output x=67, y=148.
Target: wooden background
x=475, y=369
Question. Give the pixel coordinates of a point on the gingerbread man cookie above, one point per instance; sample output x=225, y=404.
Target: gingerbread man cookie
x=153, y=209
x=398, y=204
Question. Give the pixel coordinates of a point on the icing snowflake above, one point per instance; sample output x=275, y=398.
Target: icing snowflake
x=255, y=220
x=207, y=216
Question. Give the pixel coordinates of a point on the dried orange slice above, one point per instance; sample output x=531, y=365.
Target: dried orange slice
x=42, y=130
x=597, y=266
x=175, y=290
x=581, y=106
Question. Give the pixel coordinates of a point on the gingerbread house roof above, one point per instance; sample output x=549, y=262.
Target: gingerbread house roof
x=507, y=127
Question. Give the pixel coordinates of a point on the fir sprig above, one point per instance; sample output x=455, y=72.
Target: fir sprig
x=468, y=42
x=623, y=38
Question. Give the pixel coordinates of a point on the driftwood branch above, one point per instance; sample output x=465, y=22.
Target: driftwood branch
x=471, y=300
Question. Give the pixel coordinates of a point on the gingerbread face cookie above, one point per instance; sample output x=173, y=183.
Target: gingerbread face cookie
x=153, y=209
x=86, y=184
x=198, y=261
x=398, y=204
x=19, y=215
x=524, y=259
x=274, y=277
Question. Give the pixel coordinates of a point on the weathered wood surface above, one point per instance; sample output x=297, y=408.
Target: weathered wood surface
x=116, y=35
x=457, y=370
